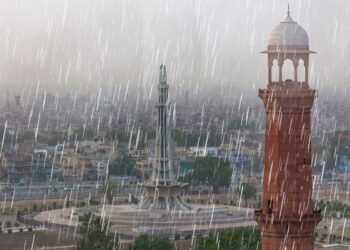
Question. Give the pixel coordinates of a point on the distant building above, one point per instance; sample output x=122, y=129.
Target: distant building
x=204, y=151
x=344, y=163
x=185, y=168
x=238, y=160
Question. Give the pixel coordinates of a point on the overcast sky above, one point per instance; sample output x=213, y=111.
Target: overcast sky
x=82, y=45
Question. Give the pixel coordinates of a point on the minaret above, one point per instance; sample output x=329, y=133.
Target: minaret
x=163, y=191
x=18, y=109
x=287, y=219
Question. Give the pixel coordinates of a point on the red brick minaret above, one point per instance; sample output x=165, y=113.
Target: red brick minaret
x=287, y=219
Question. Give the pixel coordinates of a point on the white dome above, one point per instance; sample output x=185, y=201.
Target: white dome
x=289, y=32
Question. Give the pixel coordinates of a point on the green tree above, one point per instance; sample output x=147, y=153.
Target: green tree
x=211, y=171
x=240, y=122
x=146, y=242
x=94, y=234
x=53, y=140
x=184, y=138
x=337, y=146
x=124, y=165
x=247, y=191
x=82, y=134
x=120, y=136
x=238, y=238
x=26, y=135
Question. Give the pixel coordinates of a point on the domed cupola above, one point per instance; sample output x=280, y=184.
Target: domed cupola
x=288, y=41
x=288, y=33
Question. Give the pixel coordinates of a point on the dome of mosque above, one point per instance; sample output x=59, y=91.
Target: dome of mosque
x=288, y=32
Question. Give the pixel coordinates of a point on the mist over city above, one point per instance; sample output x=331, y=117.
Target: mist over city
x=72, y=46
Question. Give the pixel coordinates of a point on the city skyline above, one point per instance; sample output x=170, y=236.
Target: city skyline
x=186, y=125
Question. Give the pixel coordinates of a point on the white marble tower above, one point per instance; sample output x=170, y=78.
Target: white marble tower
x=163, y=191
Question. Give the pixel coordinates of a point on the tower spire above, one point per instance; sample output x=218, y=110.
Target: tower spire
x=162, y=74
x=288, y=11
x=163, y=191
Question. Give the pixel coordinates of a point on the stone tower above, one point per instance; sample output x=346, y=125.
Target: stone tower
x=287, y=219
x=163, y=191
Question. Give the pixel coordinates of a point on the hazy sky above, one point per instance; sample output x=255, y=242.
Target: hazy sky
x=70, y=45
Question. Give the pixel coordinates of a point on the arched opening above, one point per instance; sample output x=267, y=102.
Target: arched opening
x=288, y=70
x=161, y=203
x=274, y=71
x=301, y=71
x=269, y=206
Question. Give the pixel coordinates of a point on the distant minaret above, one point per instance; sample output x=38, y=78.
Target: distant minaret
x=7, y=101
x=163, y=191
x=18, y=109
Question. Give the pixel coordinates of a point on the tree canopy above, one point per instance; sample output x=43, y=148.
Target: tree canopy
x=239, y=122
x=124, y=165
x=337, y=146
x=247, y=191
x=83, y=134
x=146, y=242
x=228, y=239
x=94, y=234
x=211, y=171
x=184, y=138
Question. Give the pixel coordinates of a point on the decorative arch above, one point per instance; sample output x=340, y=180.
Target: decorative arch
x=274, y=71
x=301, y=71
x=288, y=70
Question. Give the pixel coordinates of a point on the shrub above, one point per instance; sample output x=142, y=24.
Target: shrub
x=21, y=230
x=30, y=229
x=9, y=231
x=8, y=224
x=177, y=237
x=145, y=242
x=324, y=236
x=238, y=238
x=188, y=236
x=332, y=237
